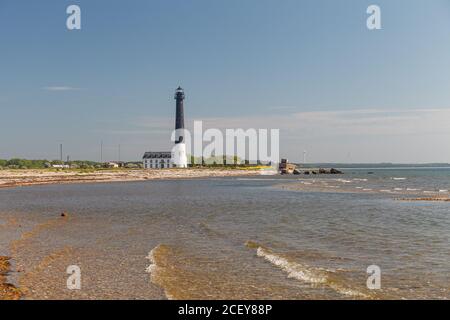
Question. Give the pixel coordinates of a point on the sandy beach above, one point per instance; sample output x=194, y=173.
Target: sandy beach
x=20, y=178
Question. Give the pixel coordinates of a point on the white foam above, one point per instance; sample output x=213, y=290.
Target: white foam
x=443, y=191
x=398, y=178
x=305, y=273
x=153, y=268
x=343, y=180
x=293, y=270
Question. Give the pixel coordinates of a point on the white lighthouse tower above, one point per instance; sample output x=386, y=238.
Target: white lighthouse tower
x=179, y=157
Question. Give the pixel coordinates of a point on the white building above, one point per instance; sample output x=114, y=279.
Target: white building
x=60, y=166
x=158, y=160
x=112, y=165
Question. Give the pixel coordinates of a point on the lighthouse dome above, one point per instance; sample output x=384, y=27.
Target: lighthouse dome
x=179, y=93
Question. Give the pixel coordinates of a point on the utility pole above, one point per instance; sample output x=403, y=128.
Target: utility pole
x=61, y=152
x=119, y=152
x=101, y=151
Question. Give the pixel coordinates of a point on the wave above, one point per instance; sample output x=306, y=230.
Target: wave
x=156, y=267
x=304, y=273
x=398, y=179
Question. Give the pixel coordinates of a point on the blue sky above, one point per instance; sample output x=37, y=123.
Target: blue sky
x=310, y=68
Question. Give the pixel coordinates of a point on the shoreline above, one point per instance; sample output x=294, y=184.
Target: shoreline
x=32, y=177
x=7, y=290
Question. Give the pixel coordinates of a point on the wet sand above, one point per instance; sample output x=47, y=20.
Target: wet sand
x=19, y=178
x=7, y=291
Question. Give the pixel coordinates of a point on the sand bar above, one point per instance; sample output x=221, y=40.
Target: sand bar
x=19, y=178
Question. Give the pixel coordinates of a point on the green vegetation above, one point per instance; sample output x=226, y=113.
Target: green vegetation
x=229, y=162
x=24, y=164
x=46, y=164
x=88, y=166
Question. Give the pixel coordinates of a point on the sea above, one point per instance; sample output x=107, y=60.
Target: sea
x=233, y=238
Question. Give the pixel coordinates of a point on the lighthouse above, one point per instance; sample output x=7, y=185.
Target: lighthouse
x=179, y=157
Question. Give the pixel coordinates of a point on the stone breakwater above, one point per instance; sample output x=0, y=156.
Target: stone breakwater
x=19, y=178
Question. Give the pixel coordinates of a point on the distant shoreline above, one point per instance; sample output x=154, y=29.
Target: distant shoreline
x=391, y=168
x=31, y=177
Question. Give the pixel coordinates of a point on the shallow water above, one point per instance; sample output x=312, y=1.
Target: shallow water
x=231, y=238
